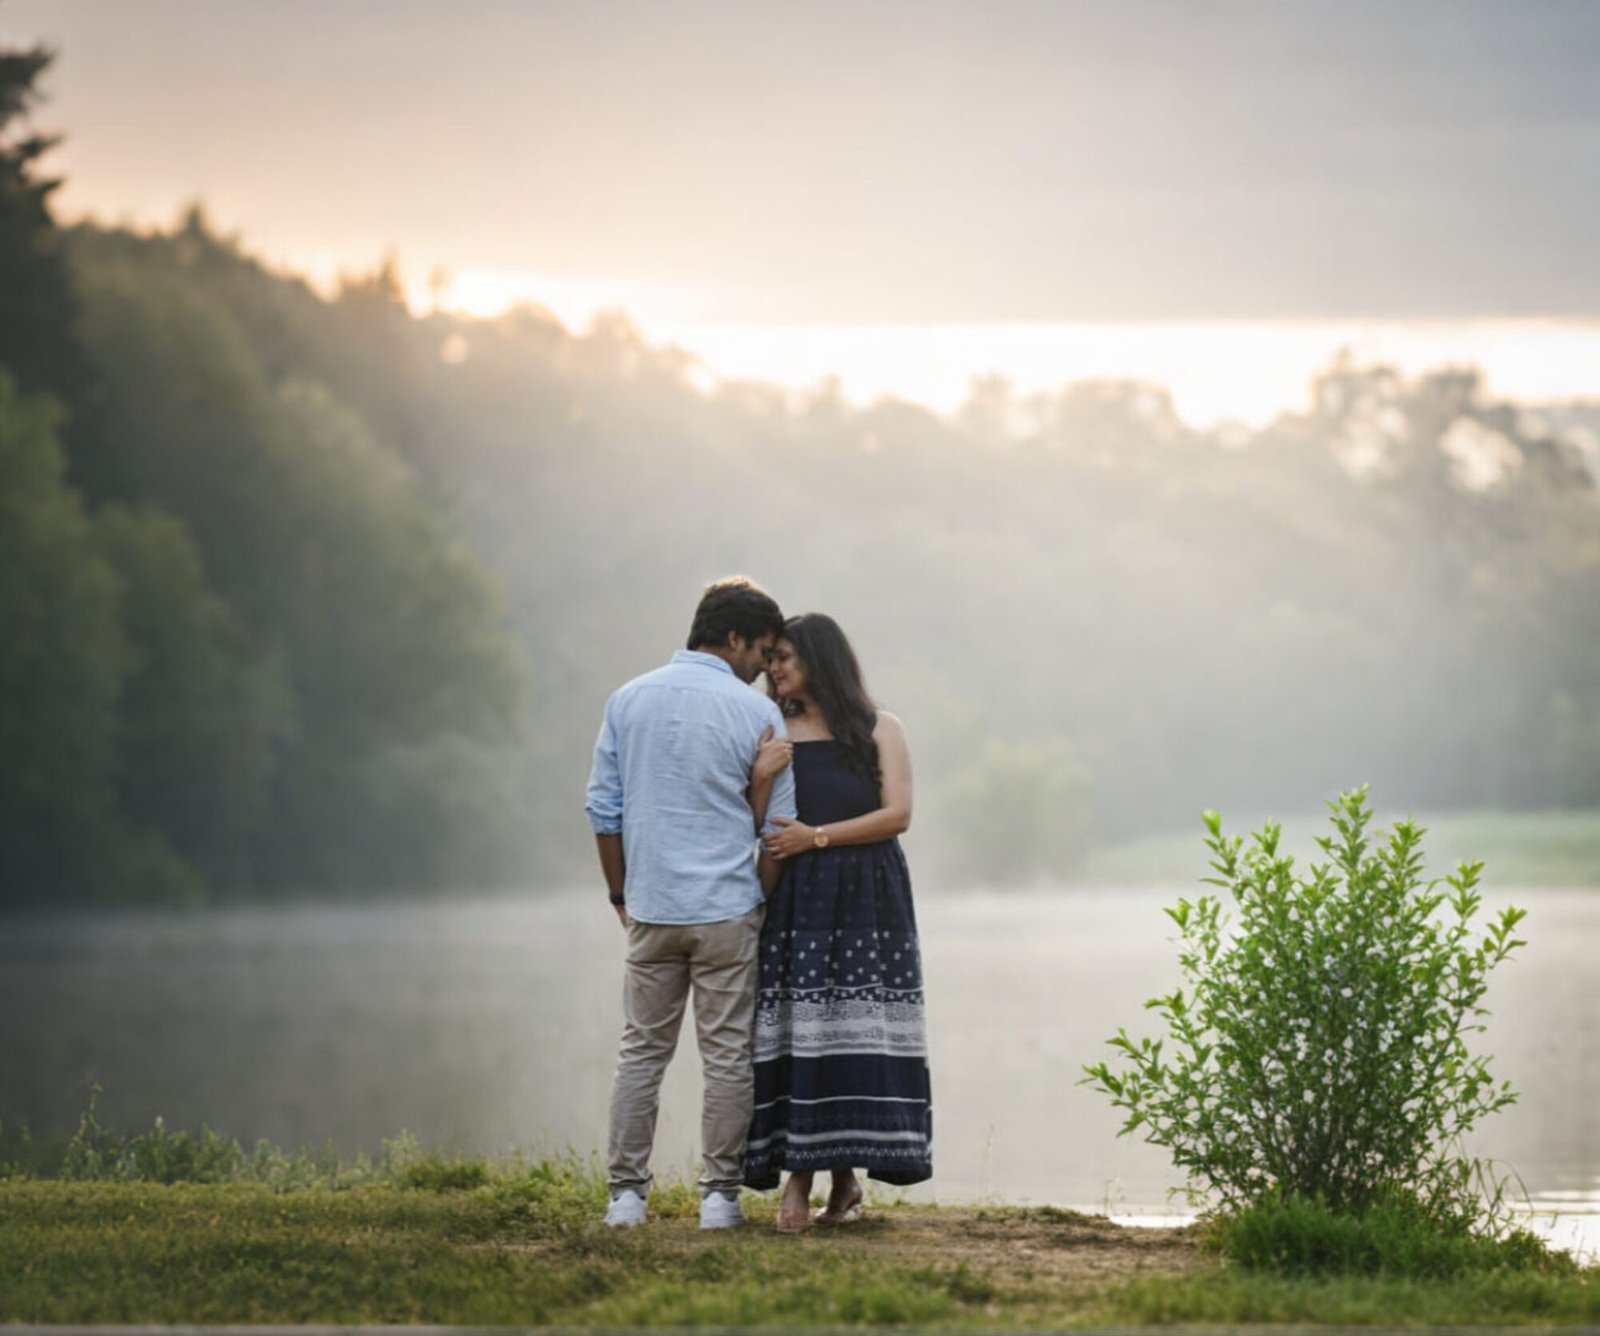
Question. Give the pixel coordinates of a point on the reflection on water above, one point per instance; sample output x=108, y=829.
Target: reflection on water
x=1570, y=1220
x=490, y=1026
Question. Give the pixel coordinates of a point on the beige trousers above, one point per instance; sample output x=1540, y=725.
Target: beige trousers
x=666, y=961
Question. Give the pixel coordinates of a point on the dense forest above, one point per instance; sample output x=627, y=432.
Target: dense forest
x=247, y=650
x=316, y=595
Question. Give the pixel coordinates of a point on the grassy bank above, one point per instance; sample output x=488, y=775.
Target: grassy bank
x=525, y=1246
x=1519, y=849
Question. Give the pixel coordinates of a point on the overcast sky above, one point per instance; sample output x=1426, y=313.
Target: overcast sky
x=871, y=161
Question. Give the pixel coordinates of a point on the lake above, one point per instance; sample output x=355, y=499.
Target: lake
x=491, y=1025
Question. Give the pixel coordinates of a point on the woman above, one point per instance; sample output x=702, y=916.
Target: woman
x=841, y=1063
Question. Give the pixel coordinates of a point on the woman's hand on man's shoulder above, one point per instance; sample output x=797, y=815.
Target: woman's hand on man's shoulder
x=773, y=754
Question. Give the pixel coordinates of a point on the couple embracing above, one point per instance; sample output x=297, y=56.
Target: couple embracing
x=748, y=842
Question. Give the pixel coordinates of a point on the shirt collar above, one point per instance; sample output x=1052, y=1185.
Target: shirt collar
x=700, y=657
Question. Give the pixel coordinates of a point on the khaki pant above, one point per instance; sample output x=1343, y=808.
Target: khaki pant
x=666, y=961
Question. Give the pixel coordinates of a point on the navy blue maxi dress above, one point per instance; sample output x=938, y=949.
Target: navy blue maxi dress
x=841, y=1056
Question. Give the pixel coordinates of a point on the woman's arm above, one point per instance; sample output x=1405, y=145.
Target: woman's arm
x=893, y=818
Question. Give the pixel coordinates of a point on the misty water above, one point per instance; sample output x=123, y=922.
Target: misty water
x=490, y=1026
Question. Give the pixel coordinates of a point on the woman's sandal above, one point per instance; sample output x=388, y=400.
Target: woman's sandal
x=846, y=1214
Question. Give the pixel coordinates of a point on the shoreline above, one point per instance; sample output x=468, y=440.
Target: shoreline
x=532, y=1253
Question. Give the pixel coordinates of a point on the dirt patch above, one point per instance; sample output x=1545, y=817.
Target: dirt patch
x=1062, y=1245
x=1012, y=1245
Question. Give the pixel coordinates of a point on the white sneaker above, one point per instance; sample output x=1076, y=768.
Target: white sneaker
x=719, y=1212
x=626, y=1209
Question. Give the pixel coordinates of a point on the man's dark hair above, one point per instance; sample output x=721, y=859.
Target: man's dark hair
x=734, y=605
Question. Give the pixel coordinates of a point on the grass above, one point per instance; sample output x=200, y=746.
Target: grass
x=175, y=1228
x=522, y=1252
x=1523, y=849
x=1495, y=1299
x=473, y=1243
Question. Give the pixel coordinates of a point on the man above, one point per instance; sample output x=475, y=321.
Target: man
x=670, y=802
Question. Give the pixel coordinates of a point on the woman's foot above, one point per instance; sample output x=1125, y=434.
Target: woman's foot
x=794, y=1211
x=844, y=1201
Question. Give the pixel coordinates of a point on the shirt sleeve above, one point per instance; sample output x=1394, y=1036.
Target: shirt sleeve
x=604, y=795
x=781, y=801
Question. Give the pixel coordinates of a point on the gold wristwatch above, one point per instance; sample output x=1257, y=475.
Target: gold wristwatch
x=819, y=838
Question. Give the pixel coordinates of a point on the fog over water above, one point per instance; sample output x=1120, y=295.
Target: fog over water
x=491, y=1027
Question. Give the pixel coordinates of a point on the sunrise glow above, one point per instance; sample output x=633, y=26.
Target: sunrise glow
x=1245, y=372
x=1217, y=372
x=572, y=300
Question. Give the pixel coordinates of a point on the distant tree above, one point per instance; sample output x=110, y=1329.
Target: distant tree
x=204, y=712
x=328, y=550
x=1017, y=813
x=62, y=657
x=37, y=307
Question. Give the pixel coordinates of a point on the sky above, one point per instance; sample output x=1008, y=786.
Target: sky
x=751, y=176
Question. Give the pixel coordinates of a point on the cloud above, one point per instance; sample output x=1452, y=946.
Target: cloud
x=891, y=162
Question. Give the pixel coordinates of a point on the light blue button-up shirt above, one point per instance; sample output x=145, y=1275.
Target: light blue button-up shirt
x=671, y=766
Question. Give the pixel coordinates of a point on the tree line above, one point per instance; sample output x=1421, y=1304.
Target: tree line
x=246, y=649
x=311, y=594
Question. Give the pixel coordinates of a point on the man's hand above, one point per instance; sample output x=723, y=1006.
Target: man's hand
x=613, y=866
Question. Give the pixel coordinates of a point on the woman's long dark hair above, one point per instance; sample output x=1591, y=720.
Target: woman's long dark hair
x=833, y=677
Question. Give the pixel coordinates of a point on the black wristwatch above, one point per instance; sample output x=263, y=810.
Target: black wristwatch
x=619, y=899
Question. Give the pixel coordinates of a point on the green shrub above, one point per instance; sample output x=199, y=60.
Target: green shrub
x=16, y=1147
x=1319, y=1048
x=95, y=1151
x=561, y=1197
x=1395, y=1236
x=161, y=1157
